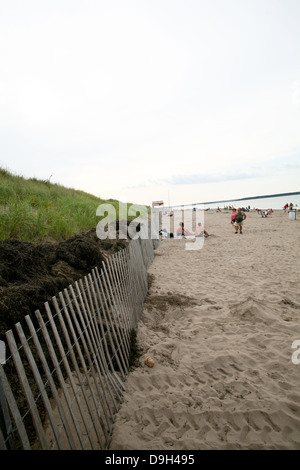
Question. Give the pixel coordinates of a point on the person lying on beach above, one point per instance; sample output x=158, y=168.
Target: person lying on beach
x=239, y=219
x=200, y=232
x=267, y=213
x=165, y=234
x=181, y=231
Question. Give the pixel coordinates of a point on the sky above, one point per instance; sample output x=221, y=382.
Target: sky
x=183, y=101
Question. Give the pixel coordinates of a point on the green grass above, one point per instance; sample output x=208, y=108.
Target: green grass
x=37, y=210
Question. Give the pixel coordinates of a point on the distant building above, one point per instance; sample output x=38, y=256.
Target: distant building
x=157, y=203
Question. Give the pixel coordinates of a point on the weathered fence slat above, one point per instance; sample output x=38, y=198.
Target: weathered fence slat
x=125, y=288
x=61, y=378
x=107, y=359
x=27, y=390
x=120, y=313
x=88, y=306
x=137, y=266
x=122, y=304
x=5, y=422
x=133, y=292
x=81, y=376
x=51, y=382
x=90, y=353
x=98, y=347
x=11, y=402
x=109, y=323
x=2, y=441
x=68, y=370
x=122, y=347
x=39, y=382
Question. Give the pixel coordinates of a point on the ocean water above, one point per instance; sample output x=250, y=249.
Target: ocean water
x=262, y=202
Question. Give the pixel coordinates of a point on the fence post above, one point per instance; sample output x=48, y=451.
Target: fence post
x=14, y=410
x=6, y=440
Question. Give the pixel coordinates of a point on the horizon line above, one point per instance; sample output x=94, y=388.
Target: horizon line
x=234, y=200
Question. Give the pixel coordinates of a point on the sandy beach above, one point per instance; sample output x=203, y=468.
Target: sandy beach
x=219, y=324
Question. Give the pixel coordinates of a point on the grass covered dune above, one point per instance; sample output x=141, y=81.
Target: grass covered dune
x=37, y=210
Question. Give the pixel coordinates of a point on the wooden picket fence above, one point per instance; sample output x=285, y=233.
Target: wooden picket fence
x=63, y=383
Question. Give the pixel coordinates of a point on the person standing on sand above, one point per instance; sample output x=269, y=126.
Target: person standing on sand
x=233, y=214
x=239, y=219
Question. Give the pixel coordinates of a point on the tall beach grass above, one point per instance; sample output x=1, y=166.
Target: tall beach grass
x=37, y=210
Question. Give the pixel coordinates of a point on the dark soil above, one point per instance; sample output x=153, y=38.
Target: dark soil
x=31, y=274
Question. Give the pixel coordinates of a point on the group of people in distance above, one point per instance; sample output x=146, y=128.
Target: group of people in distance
x=237, y=220
x=289, y=207
x=199, y=232
x=266, y=213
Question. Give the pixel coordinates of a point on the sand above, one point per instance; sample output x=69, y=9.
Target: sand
x=219, y=324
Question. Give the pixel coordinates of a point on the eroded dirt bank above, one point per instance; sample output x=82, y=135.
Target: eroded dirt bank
x=30, y=274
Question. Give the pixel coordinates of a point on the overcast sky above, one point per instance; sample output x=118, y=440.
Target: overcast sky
x=138, y=100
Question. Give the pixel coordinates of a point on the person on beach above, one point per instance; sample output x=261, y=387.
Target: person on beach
x=239, y=220
x=267, y=213
x=200, y=232
x=165, y=234
x=233, y=214
x=181, y=231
